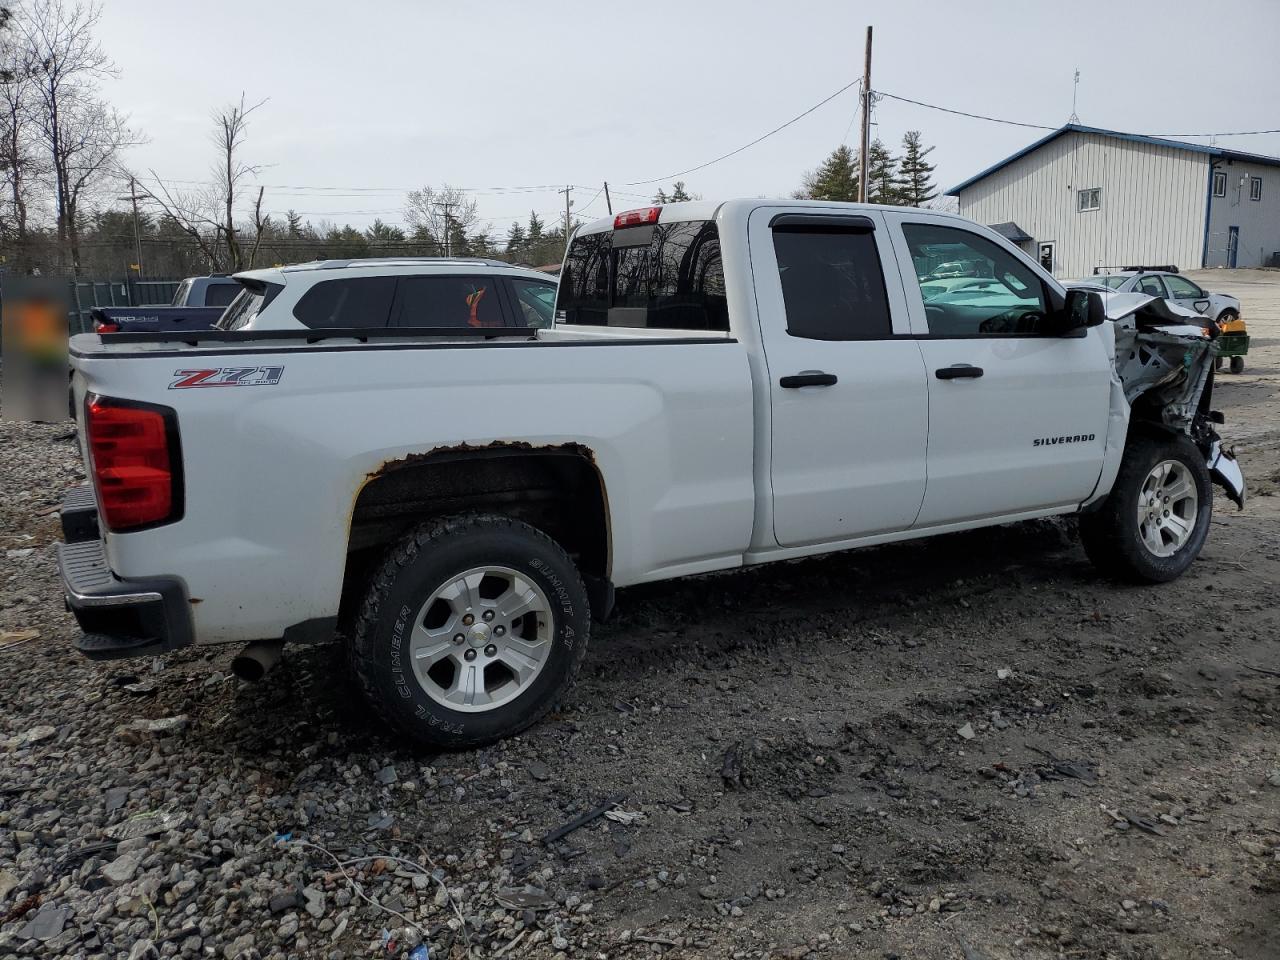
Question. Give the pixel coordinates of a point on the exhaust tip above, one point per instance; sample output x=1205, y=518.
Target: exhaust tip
x=254, y=662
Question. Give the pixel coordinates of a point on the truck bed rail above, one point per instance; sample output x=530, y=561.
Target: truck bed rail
x=363, y=334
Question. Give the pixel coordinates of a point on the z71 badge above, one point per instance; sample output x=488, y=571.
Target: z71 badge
x=227, y=377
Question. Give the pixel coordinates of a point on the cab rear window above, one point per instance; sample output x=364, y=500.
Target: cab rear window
x=665, y=276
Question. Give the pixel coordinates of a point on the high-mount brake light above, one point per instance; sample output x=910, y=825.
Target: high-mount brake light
x=637, y=218
x=136, y=461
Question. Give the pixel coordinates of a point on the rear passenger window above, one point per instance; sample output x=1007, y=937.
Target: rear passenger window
x=1151, y=286
x=447, y=302
x=359, y=302
x=972, y=287
x=832, y=284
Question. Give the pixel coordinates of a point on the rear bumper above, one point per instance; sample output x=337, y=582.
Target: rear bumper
x=120, y=618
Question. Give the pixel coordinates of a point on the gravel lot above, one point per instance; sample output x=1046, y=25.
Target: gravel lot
x=970, y=747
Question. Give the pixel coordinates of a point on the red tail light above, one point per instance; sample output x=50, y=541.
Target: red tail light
x=637, y=218
x=106, y=326
x=136, y=461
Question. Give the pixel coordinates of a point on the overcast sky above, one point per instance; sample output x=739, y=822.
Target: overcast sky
x=379, y=97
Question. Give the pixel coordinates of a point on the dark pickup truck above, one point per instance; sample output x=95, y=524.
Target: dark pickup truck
x=197, y=305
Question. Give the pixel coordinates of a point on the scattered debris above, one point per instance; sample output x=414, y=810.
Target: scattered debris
x=539, y=771
x=1254, y=847
x=595, y=813
x=46, y=924
x=14, y=638
x=8, y=883
x=625, y=817
x=147, y=824
x=525, y=898
x=1004, y=673
x=140, y=731
x=731, y=767
x=966, y=732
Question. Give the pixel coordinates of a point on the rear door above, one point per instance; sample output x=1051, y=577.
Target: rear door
x=1017, y=414
x=847, y=392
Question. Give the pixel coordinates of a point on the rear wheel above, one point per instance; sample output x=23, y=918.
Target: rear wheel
x=473, y=629
x=1237, y=364
x=1155, y=520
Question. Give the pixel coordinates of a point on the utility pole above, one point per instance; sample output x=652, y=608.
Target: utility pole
x=446, y=205
x=866, y=122
x=137, y=231
x=1075, y=91
x=568, y=204
x=608, y=204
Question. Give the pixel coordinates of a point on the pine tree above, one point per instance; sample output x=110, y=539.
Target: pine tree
x=535, y=231
x=915, y=173
x=882, y=175
x=678, y=194
x=836, y=179
x=515, y=238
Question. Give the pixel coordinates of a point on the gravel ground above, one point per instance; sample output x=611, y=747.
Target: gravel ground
x=970, y=747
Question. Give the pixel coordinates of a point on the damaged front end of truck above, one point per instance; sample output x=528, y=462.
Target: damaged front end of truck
x=1165, y=363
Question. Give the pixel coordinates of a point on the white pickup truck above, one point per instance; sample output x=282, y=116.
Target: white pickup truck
x=726, y=384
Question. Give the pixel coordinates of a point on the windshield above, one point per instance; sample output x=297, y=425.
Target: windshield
x=659, y=276
x=180, y=295
x=1114, y=281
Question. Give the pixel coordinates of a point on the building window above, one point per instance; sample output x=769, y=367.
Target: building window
x=1219, y=184
x=1090, y=199
x=1255, y=188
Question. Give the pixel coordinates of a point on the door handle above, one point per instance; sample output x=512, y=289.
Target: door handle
x=809, y=378
x=958, y=371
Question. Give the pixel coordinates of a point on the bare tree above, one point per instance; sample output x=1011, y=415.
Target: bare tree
x=231, y=172
x=19, y=164
x=82, y=134
x=446, y=215
x=208, y=215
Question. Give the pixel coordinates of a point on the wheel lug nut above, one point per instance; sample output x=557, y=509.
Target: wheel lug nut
x=470, y=655
x=488, y=615
x=499, y=631
x=468, y=620
x=490, y=651
x=458, y=638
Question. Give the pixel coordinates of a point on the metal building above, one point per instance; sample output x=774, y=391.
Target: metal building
x=1082, y=198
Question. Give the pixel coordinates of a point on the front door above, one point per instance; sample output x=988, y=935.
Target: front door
x=1186, y=294
x=1017, y=414
x=1233, y=244
x=848, y=402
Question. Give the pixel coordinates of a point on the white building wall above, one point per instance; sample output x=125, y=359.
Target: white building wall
x=1257, y=221
x=1153, y=202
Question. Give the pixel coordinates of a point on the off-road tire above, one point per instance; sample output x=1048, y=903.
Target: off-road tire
x=425, y=558
x=1111, y=534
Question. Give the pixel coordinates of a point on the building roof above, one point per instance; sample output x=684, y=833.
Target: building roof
x=1221, y=152
x=1011, y=232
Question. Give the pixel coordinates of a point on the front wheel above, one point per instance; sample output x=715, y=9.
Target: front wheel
x=1156, y=518
x=472, y=630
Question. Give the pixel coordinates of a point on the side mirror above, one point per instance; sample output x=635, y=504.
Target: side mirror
x=1084, y=308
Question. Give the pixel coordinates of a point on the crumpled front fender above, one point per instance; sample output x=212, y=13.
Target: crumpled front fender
x=1226, y=472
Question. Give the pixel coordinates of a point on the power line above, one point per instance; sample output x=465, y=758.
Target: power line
x=962, y=113
x=1041, y=126
x=745, y=146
